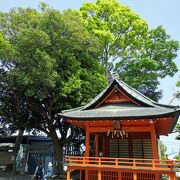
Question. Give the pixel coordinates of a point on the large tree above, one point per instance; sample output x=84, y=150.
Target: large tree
x=140, y=56
x=48, y=63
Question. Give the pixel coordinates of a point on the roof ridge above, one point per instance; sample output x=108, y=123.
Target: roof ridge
x=152, y=101
x=96, y=97
x=136, y=91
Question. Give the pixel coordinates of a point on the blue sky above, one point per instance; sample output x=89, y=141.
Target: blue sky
x=155, y=12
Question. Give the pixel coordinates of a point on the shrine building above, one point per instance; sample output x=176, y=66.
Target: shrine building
x=126, y=126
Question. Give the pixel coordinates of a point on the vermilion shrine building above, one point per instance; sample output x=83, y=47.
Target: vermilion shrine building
x=126, y=126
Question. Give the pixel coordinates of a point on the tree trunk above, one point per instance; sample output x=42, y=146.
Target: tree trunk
x=58, y=152
x=19, y=138
x=17, y=145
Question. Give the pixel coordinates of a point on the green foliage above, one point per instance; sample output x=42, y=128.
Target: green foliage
x=140, y=56
x=52, y=54
x=178, y=159
x=178, y=83
x=177, y=94
x=178, y=130
x=163, y=151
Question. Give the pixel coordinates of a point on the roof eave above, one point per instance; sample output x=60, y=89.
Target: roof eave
x=175, y=120
x=122, y=118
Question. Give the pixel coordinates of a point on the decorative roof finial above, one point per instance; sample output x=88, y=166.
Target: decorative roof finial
x=113, y=76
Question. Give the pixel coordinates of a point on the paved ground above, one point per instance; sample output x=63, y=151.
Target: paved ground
x=15, y=177
x=22, y=177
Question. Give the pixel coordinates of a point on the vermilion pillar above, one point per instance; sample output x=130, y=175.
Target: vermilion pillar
x=154, y=144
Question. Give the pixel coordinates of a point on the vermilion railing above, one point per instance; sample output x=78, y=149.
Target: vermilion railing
x=122, y=163
x=105, y=168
